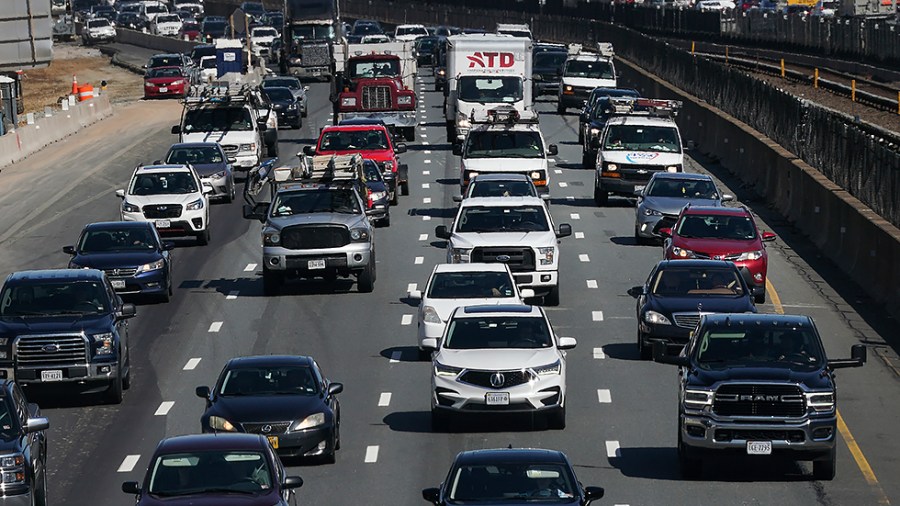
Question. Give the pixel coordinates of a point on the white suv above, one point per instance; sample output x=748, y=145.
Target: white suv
x=170, y=196
x=499, y=359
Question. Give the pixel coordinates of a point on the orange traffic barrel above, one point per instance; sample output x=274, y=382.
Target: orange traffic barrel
x=85, y=92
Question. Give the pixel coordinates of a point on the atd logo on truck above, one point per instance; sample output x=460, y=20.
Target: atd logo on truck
x=491, y=60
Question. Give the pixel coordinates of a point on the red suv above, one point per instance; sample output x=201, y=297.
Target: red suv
x=721, y=233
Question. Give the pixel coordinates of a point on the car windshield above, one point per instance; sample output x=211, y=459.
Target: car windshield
x=293, y=84
x=503, y=219
x=167, y=18
x=411, y=30
x=784, y=345
x=493, y=332
x=214, y=26
x=361, y=140
x=98, y=23
x=199, y=155
x=377, y=68
x=54, y=298
x=326, y=200
x=219, y=471
x=253, y=8
x=372, y=172
x=470, y=285
x=312, y=32
x=426, y=45
x=682, y=188
x=125, y=239
x=366, y=29
x=155, y=9
x=279, y=94
x=165, y=61
x=201, y=51
x=274, y=380
x=499, y=482
x=163, y=183
x=697, y=226
x=504, y=144
x=264, y=32
x=490, y=89
x=642, y=138
x=217, y=119
x=687, y=282
x=550, y=59
x=190, y=25
x=502, y=189
x=164, y=72
x=594, y=69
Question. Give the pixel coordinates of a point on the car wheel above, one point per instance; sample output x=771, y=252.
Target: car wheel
x=824, y=470
x=643, y=348
x=298, y=125
x=440, y=421
x=760, y=298
x=557, y=419
x=560, y=109
x=404, y=188
x=409, y=134
x=366, y=280
x=639, y=239
x=552, y=298
x=691, y=468
x=394, y=199
x=601, y=197
x=229, y=197
x=203, y=237
x=272, y=281
x=580, y=135
x=116, y=391
x=386, y=221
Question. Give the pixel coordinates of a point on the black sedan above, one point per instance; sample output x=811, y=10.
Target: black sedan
x=285, y=398
x=286, y=105
x=678, y=292
x=378, y=205
x=512, y=477
x=132, y=255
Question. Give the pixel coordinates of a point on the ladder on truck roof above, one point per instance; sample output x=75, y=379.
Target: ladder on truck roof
x=656, y=107
x=311, y=170
x=219, y=92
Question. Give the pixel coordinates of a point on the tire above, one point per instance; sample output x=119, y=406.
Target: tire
x=40, y=490
x=298, y=125
x=640, y=241
x=560, y=109
x=557, y=419
x=409, y=134
x=644, y=349
x=272, y=282
x=203, y=237
x=580, y=135
x=691, y=468
x=601, y=198
x=394, y=194
x=586, y=161
x=552, y=298
x=404, y=188
x=440, y=421
x=760, y=298
x=229, y=197
x=116, y=391
x=824, y=470
x=386, y=221
x=365, y=282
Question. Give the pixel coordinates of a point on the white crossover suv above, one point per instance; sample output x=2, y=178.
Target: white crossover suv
x=499, y=359
x=170, y=196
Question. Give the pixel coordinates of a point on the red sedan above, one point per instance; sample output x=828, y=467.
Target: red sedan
x=162, y=82
x=189, y=29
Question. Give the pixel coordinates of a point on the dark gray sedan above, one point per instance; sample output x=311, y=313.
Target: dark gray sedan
x=211, y=164
x=665, y=195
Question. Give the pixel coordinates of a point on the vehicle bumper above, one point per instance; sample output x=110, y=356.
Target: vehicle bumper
x=170, y=92
x=244, y=162
x=100, y=38
x=546, y=88
x=288, y=117
x=576, y=100
x=351, y=258
x=306, y=443
x=619, y=186
x=183, y=225
x=543, y=395
x=664, y=333
x=309, y=72
x=539, y=281
x=754, y=273
x=395, y=119
x=647, y=226
x=87, y=378
x=145, y=283
x=716, y=435
x=379, y=210
x=219, y=186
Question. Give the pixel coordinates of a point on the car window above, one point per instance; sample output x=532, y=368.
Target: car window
x=498, y=332
x=737, y=228
x=502, y=189
x=502, y=219
x=7, y=419
x=471, y=285
x=315, y=201
x=544, y=483
x=680, y=188
x=200, y=155
x=783, y=345
x=217, y=119
x=163, y=183
x=164, y=72
x=504, y=144
x=188, y=473
x=279, y=94
x=378, y=68
x=490, y=89
x=596, y=69
x=54, y=298
x=339, y=140
x=280, y=380
x=373, y=173
x=126, y=239
x=680, y=282
x=642, y=138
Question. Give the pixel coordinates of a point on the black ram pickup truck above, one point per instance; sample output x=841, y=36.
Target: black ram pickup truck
x=23, y=449
x=758, y=385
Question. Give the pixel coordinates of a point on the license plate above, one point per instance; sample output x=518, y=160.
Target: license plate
x=759, y=447
x=273, y=440
x=118, y=283
x=316, y=264
x=163, y=223
x=54, y=375
x=497, y=399
x=163, y=89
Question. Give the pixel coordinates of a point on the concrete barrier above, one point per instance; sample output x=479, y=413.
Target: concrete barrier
x=149, y=41
x=28, y=139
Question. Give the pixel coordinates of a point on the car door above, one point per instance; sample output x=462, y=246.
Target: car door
x=32, y=444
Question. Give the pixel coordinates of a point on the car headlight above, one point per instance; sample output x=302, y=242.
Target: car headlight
x=13, y=469
x=128, y=207
x=651, y=212
x=310, y=421
x=682, y=253
x=595, y=131
x=547, y=255
x=470, y=175
x=104, y=342
x=271, y=238
x=820, y=401
x=348, y=101
x=462, y=121
x=152, y=266
x=750, y=255
x=377, y=196
x=430, y=315
x=359, y=235
x=698, y=398
x=404, y=100
x=445, y=370
x=568, y=90
x=217, y=175
x=673, y=168
x=549, y=369
x=219, y=423
x=248, y=147
x=537, y=175
x=442, y=72
x=295, y=61
x=611, y=167
x=460, y=255
x=149, y=85
x=656, y=318
x=177, y=83
x=195, y=205
x=388, y=166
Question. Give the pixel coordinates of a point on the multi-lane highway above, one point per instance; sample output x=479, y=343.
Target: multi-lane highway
x=622, y=412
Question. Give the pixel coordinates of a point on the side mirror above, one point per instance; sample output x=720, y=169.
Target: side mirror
x=36, y=424
x=168, y=245
x=400, y=148
x=432, y=495
x=661, y=355
x=414, y=294
x=202, y=392
x=69, y=249
x=457, y=198
x=120, y=193
x=565, y=230
x=768, y=236
x=176, y=129
x=527, y=293
x=858, y=356
x=441, y=232
x=545, y=197
x=664, y=231
x=457, y=149
x=306, y=88
x=636, y=291
x=639, y=193
x=131, y=487
x=292, y=482
x=309, y=150
x=595, y=143
x=537, y=77
x=429, y=343
x=127, y=311
x=207, y=189
x=552, y=150
x=335, y=388
x=727, y=198
x=567, y=343
x=593, y=493
x=256, y=212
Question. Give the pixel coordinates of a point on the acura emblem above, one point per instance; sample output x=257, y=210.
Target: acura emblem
x=497, y=380
x=266, y=429
x=503, y=258
x=50, y=348
x=162, y=208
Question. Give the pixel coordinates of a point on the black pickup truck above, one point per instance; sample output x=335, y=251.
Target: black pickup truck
x=23, y=449
x=757, y=385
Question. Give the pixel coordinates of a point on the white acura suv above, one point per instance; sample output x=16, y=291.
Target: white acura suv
x=172, y=197
x=499, y=359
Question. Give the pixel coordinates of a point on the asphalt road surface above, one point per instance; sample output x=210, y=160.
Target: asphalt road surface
x=621, y=413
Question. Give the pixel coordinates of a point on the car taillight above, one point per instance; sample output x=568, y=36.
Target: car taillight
x=369, y=201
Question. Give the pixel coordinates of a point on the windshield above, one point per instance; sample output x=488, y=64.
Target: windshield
x=127, y=239
x=502, y=189
x=372, y=172
x=550, y=59
x=362, y=140
x=217, y=119
x=164, y=72
x=682, y=188
x=326, y=200
x=515, y=33
x=642, y=138
x=770, y=346
x=411, y=30
x=200, y=155
x=154, y=9
x=165, y=61
x=680, y=282
x=426, y=45
x=500, y=482
x=264, y=32
x=222, y=471
x=279, y=94
x=54, y=298
x=7, y=420
x=293, y=84
x=98, y=23
x=504, y=144
x=594, y=69
x=366, y=29
x=163, y=183
x=199, y=52
x=737, y=228
x=377, y=68
x=282, y=380
x=253, y=8
x=498, y=332
x=168, y=18
x=471, y=285
x=208, y=62
x=190, y=26
x=214, y=26
x=490, y=89
x=502, y=219
x=312, y=32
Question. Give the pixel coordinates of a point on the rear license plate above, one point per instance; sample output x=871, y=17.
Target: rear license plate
x=163, y=89
x=497, y=399
x=316, y=264
x=759, y=447
x=54, y=375
x=273, y=440
x=163, y=223
x=118, y=283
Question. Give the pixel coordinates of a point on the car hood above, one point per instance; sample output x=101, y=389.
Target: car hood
x=178, y=198
x=213, y=500
x=529, y=239
x=446, y=306
x=281, y=104
x=497, y=359
x=12, y=326
x=708, y=304
x=266, y=408
x=517, y=165
x=117, y=259
x=811, y=378
x=674, y=205
x=718, y=247
x=206, y=169
x=586, y=82
x=643, y=157
x=349, y=220
x=222, y=137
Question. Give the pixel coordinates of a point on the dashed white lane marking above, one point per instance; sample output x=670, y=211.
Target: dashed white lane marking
x=592, y=283
x=426, y=218
x=426, y=200
x=575, y=216
x=412, y=286
x=384, y=399
x=599, y=354
x=128, y=464
x=597, y=316
x=579, y=235
x=250, y=267
x=427, y=161
x=395, y=356
x=426, y=185
x=232, y=295
x=371, y=454
x=557, y=171
x=563, y=184
x=191, y=364
x=426, y=172
x=584, y=257
x=570, y=197
x=427, y=151
x=613, y=450
x=425, y=143
x=215, y=327
x=164, y=408
x=424, y=136
x=423, y=237
x=420, y=260
x=406, y=319
x=603, y=396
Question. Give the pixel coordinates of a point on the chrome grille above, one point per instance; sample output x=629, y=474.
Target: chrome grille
x=275, y=428
x=315, y=54
x=635, y=172
x=686, y=320
x=162, y=211
x=518, y=259
x=230, y=149
x=120, y=273
x=315, y=237
x=483, y=378
x=51, y=351
x=376, y=97
x=744, y=399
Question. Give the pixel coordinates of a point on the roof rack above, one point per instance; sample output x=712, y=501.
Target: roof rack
x=219, y=92
x=625, y=106
x=603, y=49
x=499, y=115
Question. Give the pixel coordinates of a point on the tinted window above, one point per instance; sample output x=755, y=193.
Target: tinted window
x=782, y=345
x=279, y=94
x=48, y=298
x=597, y=69
x=165, y=61
x=677, y=282
x=550, y=59
x=283, y=380
x=163, y=183
x=315, y=201
x=126, y=239
x=470, y=285
x=217, y=119
x=373, y=173
x=503, y=219
x=198, y=155
x=164, y=72
x=169, y=18
x=98, y=23
x=642, y=138
x=498, y=332
x=682, y=188
x=520, y=482
x=490, y=89
x=338, y=140
x=502, y=189
x=7, y=418
x=281, y=83
x=739, y=228
x=504, y=144
x=242, y=472
x=381, y=68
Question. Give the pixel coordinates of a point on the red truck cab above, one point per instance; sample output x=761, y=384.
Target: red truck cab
x=373, y=87
x=373, y=142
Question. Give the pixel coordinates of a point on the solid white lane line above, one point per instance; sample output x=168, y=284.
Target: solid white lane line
x=563, y=184
x=612, y=449
x=396, y=356
x=128, y=464
x=164, y=408
x=423, y=237
x=371, y=454
x=215, y=327
x=426, y=185
x=426, y=200
x=426, y=218
x=420, y=260
x=406, y=319
x=599, y=354
x=232, y=295
x=579, y=235
x=597, y=316
x=412, y=286
x=603, y=396
x=191, y=364
x=250, y=267
x=384, y=399
x=426, y=172
x=584, y=258
x=557, y=171
x=575, y=216
x=592, y=283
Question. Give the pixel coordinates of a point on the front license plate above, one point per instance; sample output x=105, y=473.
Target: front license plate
x=163, y=89
x=273, y=440
x=497, y=399
x=118, y=283
x=759, y=447
x=163, y=223
x=54, y=375
x=316, y=264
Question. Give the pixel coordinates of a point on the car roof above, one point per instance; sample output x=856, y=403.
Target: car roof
x=501, y=177
x=757, y=320
x=614, y=92
x=215, y=441
x=164, y=168
x=57, y=275
x=515, y=310
x=682, y=176
x=184, y=145
x=523, y=455
x=471, y=267
x=268, y=360
x=505, y=127
x=589, y=57
x=355, y=128
x=722, y=211
x=502, y=201
x=696, y=264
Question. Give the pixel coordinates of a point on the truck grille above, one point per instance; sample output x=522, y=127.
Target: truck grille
x=633, y=172
x=759, y=400
x=162, y=211
x=686, y=320
x=483, y=378
x=120, y=273
x=518, y=259
x=274, y=427
x=51, y=351
x=315, y=55
x=231, y=151
x=315, y=237
x=376, y=97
